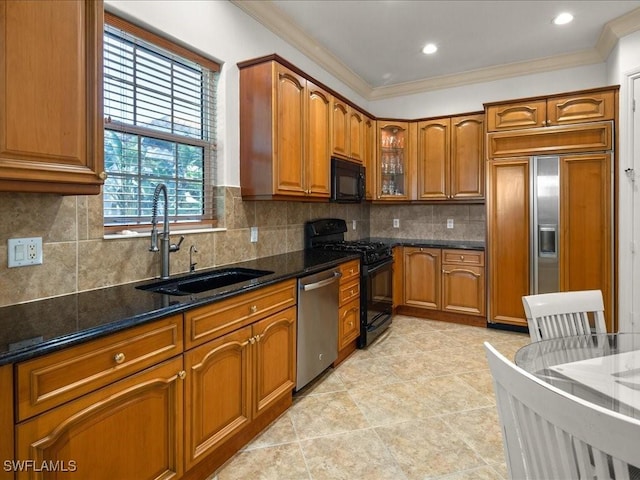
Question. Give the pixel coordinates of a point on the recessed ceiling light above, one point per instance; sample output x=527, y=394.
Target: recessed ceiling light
x=563, y=18
x=429, y=48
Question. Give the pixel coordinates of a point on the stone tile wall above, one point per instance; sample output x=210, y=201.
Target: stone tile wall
x=429, y=221
x=78, y=258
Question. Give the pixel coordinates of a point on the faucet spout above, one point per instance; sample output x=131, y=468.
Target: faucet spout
x=165, y=247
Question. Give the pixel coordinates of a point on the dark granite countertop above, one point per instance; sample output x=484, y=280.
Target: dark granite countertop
x=416, y=242
x=59, y=322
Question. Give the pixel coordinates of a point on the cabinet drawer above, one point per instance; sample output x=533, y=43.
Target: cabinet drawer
x=53, y=379
x=349, y=291
x=209, y=322
x=463, y=257
x=350, y=270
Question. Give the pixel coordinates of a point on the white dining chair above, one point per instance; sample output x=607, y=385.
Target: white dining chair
x=551, y=434
x=563, y=314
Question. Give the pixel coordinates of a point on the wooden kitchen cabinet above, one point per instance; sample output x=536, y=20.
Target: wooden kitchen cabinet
x=340, y=131
x=130, y=429
x=508, y=239
x=394, y=160
x=440, y=284
x=233, y=379
x=6, y=418
x=586, y=239
x=348, y=309
x=285, y=135
x=370, y=153
x=348, y=131
x=242, y=371
x=356, y=135
x=577, y=107
x=51, y=380
x=422, y=279
x=51, y=124
x=450, y=157
x=463, y=284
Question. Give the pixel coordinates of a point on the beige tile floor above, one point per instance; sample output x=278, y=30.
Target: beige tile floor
x=417, y=404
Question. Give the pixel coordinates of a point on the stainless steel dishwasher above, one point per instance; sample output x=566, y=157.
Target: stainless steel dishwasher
x=317, y=324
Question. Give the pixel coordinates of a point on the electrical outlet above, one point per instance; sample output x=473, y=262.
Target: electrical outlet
x=449, y=222
x=353, y=225
x=396, y=223
x=22, y=252
x=254, y=234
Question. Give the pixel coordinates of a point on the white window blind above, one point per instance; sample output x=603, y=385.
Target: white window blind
x=159, y=112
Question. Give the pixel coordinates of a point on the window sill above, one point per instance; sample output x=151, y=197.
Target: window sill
x=173, y=231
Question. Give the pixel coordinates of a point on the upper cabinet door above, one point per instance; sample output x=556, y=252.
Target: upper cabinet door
x=394, y=161
x=467, y=157
x=433, y=159
x=51, y=128
x=289, y=134
x=513, y=116
x=341, y=129
x=581, y=108
x=370, y=158
x=318, y=167
x=356, y=136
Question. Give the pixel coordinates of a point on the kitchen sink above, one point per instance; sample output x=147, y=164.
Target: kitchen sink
x=204, y=281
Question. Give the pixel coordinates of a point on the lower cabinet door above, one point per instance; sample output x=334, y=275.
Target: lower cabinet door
x=130, y=430
x=348, y=323
x=275, y=358
x=463, y=289
x=218, y=392
x=422, y=277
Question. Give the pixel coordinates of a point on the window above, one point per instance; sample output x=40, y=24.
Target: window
x=159, y=108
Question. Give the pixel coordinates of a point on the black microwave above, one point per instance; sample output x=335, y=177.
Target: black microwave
x=347, y=181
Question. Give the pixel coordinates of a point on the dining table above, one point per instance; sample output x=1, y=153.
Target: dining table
x=601, y=368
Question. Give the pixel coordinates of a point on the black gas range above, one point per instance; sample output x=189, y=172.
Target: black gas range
x=376, y=285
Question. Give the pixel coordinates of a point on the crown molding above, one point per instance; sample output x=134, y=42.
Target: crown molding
x=266, y=13
x=488, y=74
x=616, y=29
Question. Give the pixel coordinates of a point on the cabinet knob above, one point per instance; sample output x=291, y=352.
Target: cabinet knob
x=182, y=374
x=461, y=257
x=351, y=324
x=253, y=309
x=119, y=357
x=103, y=175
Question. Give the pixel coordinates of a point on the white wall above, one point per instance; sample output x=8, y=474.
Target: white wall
x=470, y=98
x=222, y=31
x=622, y=65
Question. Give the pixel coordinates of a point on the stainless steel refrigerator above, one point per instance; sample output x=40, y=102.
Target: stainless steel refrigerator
x=545, y=224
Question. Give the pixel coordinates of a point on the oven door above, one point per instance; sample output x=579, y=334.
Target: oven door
x=378, y=280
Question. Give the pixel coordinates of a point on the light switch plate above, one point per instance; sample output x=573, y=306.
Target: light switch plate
x=254, y=234
x=449, y=222
x=22, y=252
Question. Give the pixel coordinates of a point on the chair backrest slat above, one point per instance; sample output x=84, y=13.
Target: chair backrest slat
x=549, y=433
x=563, y=314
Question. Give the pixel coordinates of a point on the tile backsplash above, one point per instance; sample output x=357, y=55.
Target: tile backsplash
x=429, y=221
x=77, y=257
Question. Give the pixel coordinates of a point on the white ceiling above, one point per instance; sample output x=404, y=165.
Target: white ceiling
x=374, y=46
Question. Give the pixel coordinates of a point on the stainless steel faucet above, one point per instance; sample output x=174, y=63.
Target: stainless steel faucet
x=192, y=265
x=165, y=247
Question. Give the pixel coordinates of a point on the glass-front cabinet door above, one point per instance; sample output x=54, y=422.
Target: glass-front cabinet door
x=393, y=161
